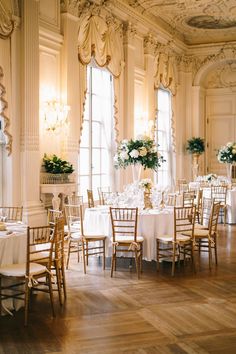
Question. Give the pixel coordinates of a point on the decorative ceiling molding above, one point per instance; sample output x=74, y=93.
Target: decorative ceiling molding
x=223, y=76
x=6, y=120
x=150, y=45
x=129, y=31
x=197, y=22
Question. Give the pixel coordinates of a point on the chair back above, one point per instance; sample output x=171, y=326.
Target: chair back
x=90, y=198
x=171, y=199
x=215, y=210
x=101, y=196
x=183, y=187
x=74, y=217
x=58, y=246
x=188, y=199
x=124, y=223
x=75, y=199
x=184, y=220
x=11, y=213
x=39, y=246
x=205, y=211
x=199, y=196
x=53, y=215
x=219, y=193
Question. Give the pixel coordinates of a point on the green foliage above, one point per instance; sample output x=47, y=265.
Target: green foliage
x=143, y=150
x=227, y=153
x=54, y=164
x=195, y=145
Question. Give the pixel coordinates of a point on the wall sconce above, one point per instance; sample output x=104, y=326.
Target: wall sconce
x=55, y=115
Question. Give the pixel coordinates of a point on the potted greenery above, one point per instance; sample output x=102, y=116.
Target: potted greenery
x=57, y=170
x=196, y=147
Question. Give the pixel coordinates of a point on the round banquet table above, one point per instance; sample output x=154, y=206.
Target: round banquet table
x=12, y=250
x=151, y=223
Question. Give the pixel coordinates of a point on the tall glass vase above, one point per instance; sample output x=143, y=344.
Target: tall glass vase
x=136, y=172
x=229, y=172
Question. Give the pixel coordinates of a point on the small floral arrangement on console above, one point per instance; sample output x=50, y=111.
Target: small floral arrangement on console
x=142, y=150
x=146, y=183
x=227, y=153
x=195, y=145
x=54, y=164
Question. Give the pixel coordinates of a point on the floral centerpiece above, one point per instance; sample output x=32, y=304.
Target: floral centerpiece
x=211, y=177
x=57, y=170
x=227, y=153
x=195, y=146
x=146, y=183
x=142, y=150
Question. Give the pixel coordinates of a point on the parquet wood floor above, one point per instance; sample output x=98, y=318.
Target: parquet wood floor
x=190, y=313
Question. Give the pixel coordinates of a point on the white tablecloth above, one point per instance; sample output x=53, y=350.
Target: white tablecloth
x=13, y=250
x=150, y=224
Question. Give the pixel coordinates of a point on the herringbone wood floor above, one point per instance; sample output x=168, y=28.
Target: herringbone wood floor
x=156, y=314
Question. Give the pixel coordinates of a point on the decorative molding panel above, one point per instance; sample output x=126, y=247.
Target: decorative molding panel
x=29, y=143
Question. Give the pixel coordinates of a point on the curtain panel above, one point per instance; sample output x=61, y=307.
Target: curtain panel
x=166, y=76
x=102, y=41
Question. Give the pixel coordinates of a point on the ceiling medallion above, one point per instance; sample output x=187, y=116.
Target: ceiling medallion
x=209, y=22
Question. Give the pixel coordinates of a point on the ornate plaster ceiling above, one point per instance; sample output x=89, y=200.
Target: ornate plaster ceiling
x=197, y=21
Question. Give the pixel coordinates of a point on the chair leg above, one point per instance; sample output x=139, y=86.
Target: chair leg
x=225, y=213
x=192, y=257
x=173, y=260
x=137, y=262
x=210, y=254
x=84, y=256
x=215, y=247
x=104, y=255
x=87, y=253
x=157, y=245
x=141, y=258
x=58, y=276
x=68, y=255
x=113, y=260
x=51, y=294
x=26, y=303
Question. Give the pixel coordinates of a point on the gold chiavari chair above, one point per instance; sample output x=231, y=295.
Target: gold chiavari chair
x=174, y=245
x=124, y=233
x=75, y=199
x=183, y=187
x=53, y=215
x=11, y=213
x=198, y=204
x=101, y=196
x=206, y=240
x=32, y=275
x=188, y=199
x=171, y=199
x=87, y=243
x=90, y=198
x=219, y=194
x=204, y=213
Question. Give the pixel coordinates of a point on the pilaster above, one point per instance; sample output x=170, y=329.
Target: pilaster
x=34, y=212
x=129, y=52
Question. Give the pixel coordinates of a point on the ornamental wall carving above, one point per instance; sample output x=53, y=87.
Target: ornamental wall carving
x=5, y=119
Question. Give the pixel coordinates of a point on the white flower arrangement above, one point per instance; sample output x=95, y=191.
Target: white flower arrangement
x=146, y=183
x=143, y=150
x=227, y=153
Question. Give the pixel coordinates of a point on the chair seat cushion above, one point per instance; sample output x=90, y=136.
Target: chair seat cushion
x=179, y=238
x=199, y=233
x=95, y=237
x=76, y=236
x=127, y=239
x=18, y=270
x=200, y=227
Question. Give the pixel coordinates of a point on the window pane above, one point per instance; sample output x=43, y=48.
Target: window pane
x=105, y=161
x=96, y=134
x=97, y=83
x=96, y=161
x=84, y=162
x=96, y=182
x=84, y=185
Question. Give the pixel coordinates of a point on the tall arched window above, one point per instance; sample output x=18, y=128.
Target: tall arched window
x=164, y=175
x=97, y=140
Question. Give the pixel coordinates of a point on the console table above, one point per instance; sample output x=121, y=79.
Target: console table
x=62, y=189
